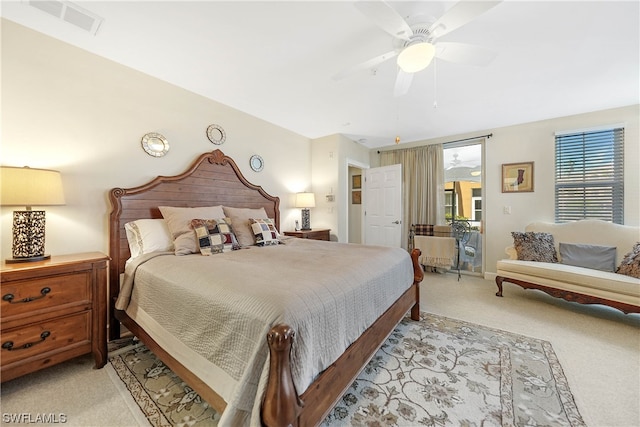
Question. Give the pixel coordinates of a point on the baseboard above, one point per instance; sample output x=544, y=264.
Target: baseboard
x=490, y=276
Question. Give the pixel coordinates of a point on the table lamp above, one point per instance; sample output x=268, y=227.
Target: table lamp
x=305, y=201
x=29, y=187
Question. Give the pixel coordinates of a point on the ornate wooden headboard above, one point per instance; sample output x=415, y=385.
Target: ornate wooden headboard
x=213, y=179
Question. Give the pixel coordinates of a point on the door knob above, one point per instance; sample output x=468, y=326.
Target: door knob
x=396, y=222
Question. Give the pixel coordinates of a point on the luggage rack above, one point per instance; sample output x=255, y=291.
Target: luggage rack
x=460, y=230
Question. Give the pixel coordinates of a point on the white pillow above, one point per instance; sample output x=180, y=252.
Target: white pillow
x=148, y=235
x=179, y=223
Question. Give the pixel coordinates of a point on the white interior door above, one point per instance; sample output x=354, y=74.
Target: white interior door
x=382, y=199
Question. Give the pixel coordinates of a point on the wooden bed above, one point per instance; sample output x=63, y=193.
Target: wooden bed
x=215, y=179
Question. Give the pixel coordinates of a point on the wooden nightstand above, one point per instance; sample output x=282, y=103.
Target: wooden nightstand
x=315, y=234
x=52, y=311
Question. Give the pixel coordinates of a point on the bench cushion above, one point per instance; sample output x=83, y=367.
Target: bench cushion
x=617, y=287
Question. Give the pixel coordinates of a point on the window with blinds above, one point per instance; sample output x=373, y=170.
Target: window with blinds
x=589, y=176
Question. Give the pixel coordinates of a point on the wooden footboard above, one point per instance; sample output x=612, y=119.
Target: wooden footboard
x=568, y=295
x=281, y=404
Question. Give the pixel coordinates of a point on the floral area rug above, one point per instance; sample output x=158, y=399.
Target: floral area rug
x=435, y=372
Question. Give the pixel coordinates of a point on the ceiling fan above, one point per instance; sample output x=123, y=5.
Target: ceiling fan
x=455, y=161
x=416, y=45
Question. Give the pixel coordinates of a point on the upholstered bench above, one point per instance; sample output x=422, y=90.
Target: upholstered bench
x=597, y=268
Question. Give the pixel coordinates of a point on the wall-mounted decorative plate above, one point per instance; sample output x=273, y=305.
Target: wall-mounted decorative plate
x=256, y=162
x=216, y=134
x=155, y=144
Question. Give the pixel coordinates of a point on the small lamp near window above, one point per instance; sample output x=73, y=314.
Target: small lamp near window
x=305, y=201
x=29, y=187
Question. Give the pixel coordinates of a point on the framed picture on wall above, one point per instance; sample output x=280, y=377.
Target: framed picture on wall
x=356, y=181
x=517, y=177
x=356, y=197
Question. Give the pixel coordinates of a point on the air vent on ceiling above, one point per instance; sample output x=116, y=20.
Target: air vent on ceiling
x=69, y=12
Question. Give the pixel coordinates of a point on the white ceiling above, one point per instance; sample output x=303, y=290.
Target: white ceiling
x=275, y=60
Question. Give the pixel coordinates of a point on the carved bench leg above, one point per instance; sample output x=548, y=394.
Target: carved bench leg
x=499, y=280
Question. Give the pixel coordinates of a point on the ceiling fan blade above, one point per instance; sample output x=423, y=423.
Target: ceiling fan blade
x=460, y=14
x=403, y=82
x=385, y=17
x=365, y=65
x=462, y=53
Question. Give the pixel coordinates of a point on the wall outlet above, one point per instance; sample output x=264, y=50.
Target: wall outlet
x=506, y=210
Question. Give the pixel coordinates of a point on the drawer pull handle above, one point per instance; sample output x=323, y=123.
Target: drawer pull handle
x=9, y=344
x=9, y=297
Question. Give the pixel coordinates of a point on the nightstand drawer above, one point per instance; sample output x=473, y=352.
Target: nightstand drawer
x=24, y=297
x=39, y=338
x=315, y=234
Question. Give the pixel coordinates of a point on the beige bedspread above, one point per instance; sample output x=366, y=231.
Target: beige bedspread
x=213, y=313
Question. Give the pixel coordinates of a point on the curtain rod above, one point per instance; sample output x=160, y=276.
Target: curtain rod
x=489, y=135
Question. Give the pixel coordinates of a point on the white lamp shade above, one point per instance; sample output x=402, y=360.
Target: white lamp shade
x=305, y=200
x=30, y=187
x=416, y=57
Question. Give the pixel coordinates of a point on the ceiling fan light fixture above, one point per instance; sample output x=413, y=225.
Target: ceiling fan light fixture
x=416, y=57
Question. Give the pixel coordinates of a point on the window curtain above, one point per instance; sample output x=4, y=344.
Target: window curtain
x=423, y=184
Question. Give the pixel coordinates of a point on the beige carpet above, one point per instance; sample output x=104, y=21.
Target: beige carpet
x=598, y=348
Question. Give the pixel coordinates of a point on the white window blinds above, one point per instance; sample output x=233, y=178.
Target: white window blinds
x=589, y=176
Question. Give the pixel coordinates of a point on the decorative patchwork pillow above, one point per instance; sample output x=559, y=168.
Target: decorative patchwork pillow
x=265, y=232
x=534, y=246
x=148, y=235
x=588, y=256
x=240, y=219
x=179, y=223
x=630, y=264
x=214, y=236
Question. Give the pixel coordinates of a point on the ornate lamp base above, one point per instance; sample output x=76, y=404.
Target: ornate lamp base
x=30, y=259
x=28, y=236
x=306, y=219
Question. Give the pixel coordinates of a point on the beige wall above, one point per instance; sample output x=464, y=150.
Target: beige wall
x=69, y=110
x=536, y=142
x=330, y=160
